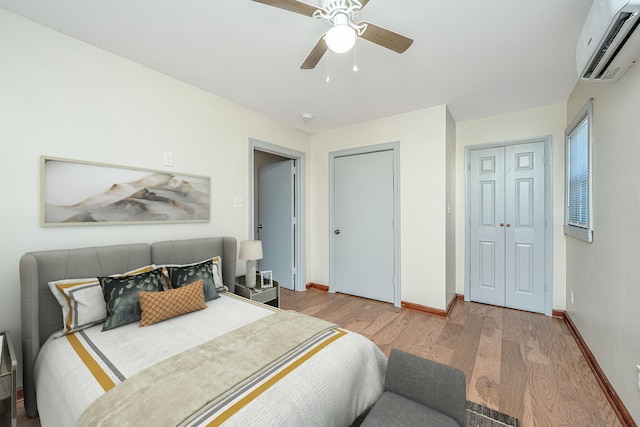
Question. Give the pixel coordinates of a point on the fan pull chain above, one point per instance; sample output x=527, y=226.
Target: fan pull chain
x=328, y=77
x=355, y=57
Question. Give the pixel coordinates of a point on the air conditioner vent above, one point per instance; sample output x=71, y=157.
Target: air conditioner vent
x=610, y=40
x=606, y=44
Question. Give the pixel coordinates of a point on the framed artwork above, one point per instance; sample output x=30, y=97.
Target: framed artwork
x=266, y=279
x=84, y=193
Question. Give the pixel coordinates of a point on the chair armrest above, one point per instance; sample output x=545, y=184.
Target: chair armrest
x=429, y=383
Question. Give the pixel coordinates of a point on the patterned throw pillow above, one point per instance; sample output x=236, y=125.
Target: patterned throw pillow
x=159, y=306
x=184, y=274
x=121, y=296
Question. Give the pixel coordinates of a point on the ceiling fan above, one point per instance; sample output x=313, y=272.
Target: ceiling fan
x=343, y=33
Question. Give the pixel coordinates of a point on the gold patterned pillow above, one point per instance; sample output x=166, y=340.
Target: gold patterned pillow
x=159, y=306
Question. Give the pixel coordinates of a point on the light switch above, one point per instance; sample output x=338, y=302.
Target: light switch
x=167, y=159
x=238, y=202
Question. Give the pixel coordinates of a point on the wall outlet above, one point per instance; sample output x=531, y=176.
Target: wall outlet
x=571, y=297
x=638, y=376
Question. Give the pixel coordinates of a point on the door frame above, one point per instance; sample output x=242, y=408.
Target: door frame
x=395, y=148
x=548, y=214
x=300, y=238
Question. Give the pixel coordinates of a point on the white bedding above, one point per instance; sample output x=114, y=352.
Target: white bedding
x=332, y=387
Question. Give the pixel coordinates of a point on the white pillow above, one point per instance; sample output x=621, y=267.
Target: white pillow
x=82, y=301
x=217, y=273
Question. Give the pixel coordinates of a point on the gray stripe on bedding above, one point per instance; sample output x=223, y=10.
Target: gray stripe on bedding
x=102, y=357
x=224, y=401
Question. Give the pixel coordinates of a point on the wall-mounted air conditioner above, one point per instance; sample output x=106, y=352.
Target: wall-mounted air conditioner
x=610, y=40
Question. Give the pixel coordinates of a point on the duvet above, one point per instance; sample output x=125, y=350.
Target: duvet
x=234, y=363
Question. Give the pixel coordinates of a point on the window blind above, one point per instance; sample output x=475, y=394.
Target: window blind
x=578, y=197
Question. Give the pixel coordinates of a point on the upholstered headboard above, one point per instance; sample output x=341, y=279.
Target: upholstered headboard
x=41, y=314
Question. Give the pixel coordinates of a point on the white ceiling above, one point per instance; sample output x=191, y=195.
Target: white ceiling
x=480, y=57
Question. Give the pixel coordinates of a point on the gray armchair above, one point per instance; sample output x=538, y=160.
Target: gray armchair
x=419, y=392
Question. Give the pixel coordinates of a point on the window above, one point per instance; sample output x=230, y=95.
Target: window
x=578, y=216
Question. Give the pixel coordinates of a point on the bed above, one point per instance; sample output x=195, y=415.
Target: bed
x=234, y=362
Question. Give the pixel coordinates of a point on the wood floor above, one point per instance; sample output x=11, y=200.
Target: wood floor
x=524, y=364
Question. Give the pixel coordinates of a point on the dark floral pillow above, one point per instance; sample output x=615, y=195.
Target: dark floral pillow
x=121, y=296
x=184, y=274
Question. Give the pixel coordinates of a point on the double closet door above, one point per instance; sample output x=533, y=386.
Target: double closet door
x=507, y=226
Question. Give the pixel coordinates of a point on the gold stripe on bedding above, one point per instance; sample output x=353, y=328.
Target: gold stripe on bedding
x=216, y=418
x=202, y=384
x=92, y=365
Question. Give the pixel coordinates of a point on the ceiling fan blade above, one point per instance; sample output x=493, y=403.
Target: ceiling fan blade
x=292, y=6
x=315, y=56
x=386, y=38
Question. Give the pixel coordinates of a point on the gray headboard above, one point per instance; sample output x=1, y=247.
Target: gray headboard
x=41, y=313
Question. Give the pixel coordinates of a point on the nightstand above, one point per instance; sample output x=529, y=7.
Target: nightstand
x=270, y=296
x=8, y=367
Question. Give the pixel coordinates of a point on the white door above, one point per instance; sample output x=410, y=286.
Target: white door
x=507, y=226
x=487, y=226
x=276, y=220
x=363, y=225
x=525, y=226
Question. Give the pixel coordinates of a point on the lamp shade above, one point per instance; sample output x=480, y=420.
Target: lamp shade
x=250, y=250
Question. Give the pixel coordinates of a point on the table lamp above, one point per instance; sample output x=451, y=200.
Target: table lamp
x=250, y=251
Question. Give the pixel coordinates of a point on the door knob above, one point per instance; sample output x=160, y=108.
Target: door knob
x=501, y=224
x=260, y=227
x=508, y=225
x=336, y=232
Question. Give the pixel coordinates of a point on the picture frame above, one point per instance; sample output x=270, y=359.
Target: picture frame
x=266, y=279
x=75, y=192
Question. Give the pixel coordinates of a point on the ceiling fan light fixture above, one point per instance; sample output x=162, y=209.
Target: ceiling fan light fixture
x=341, y=37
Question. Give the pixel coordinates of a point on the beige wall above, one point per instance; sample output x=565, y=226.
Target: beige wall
x=519, y=125
x=423, y=167
x=605, y=275
x=64, y=98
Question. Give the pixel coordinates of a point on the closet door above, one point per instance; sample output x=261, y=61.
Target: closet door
x=487, y=226
x=525, y=227
x=363, y=225
x=507, y=226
